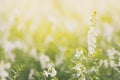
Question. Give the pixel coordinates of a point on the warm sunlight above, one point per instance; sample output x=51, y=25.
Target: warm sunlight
x=59, y=39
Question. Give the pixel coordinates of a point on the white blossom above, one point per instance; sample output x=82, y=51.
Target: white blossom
x=51, y=71
x=46, y=73
x=31, y=74
x=112, y=63
x=108, y=32
x=111, y=53
x=78, y=53
x=91, y=40
x=77, y=67
x=80, y=69
x=106, y=63
x=33, y=53
x=101, y=62
x=3, y=70
x=44, y=60
x=83, y=79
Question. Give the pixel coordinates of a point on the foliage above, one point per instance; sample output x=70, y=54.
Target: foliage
x=58, y=43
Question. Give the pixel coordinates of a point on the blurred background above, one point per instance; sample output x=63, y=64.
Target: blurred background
x=33, y=32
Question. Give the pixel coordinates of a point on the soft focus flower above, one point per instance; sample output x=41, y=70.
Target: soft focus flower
x=91, y=40
x=92, y=35
x=46, y=73
x=8, y=46
x=31, y=74
x=33, y=53
x=112, y=63
x=80, y=69
x=45, y=61
x=78, y=53
x=101, y=62
x=3, y=68
x=77, y=67
x=51, y=71
x=106, y=63
x=61, y=57
x=10, y=56
x=108, y=32
x=83, y=79
x=112, y=52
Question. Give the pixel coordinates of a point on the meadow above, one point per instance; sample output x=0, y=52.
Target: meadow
x=59, y=40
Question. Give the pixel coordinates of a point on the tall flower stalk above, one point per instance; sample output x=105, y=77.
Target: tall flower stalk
x=92, y=35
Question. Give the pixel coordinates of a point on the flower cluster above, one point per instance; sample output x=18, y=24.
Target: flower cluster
x=114, y=59
x=79, y=68
x=91, y=40
x=92, y=35
x=51, y=72
x=78, y=53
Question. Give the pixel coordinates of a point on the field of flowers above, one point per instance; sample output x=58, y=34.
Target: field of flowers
x=59, y=39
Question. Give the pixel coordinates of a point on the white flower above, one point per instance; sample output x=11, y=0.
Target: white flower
x=112, y=63
x=83, y=79
x=78, y=53
x=53, y=72
x=3, y=68
x=46, y=73
x=31, y=74
x=106, y=63
x=112, y=52
x=91, y=40
x=33, y=53
x=80, y=69
x=77, y=67
x=11, y=56
x=44, y=60
x=101, y=62
x=108, y=32
x=8, y=46
x=78, y=74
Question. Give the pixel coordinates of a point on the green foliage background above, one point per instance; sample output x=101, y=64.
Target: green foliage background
x=57, y=32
